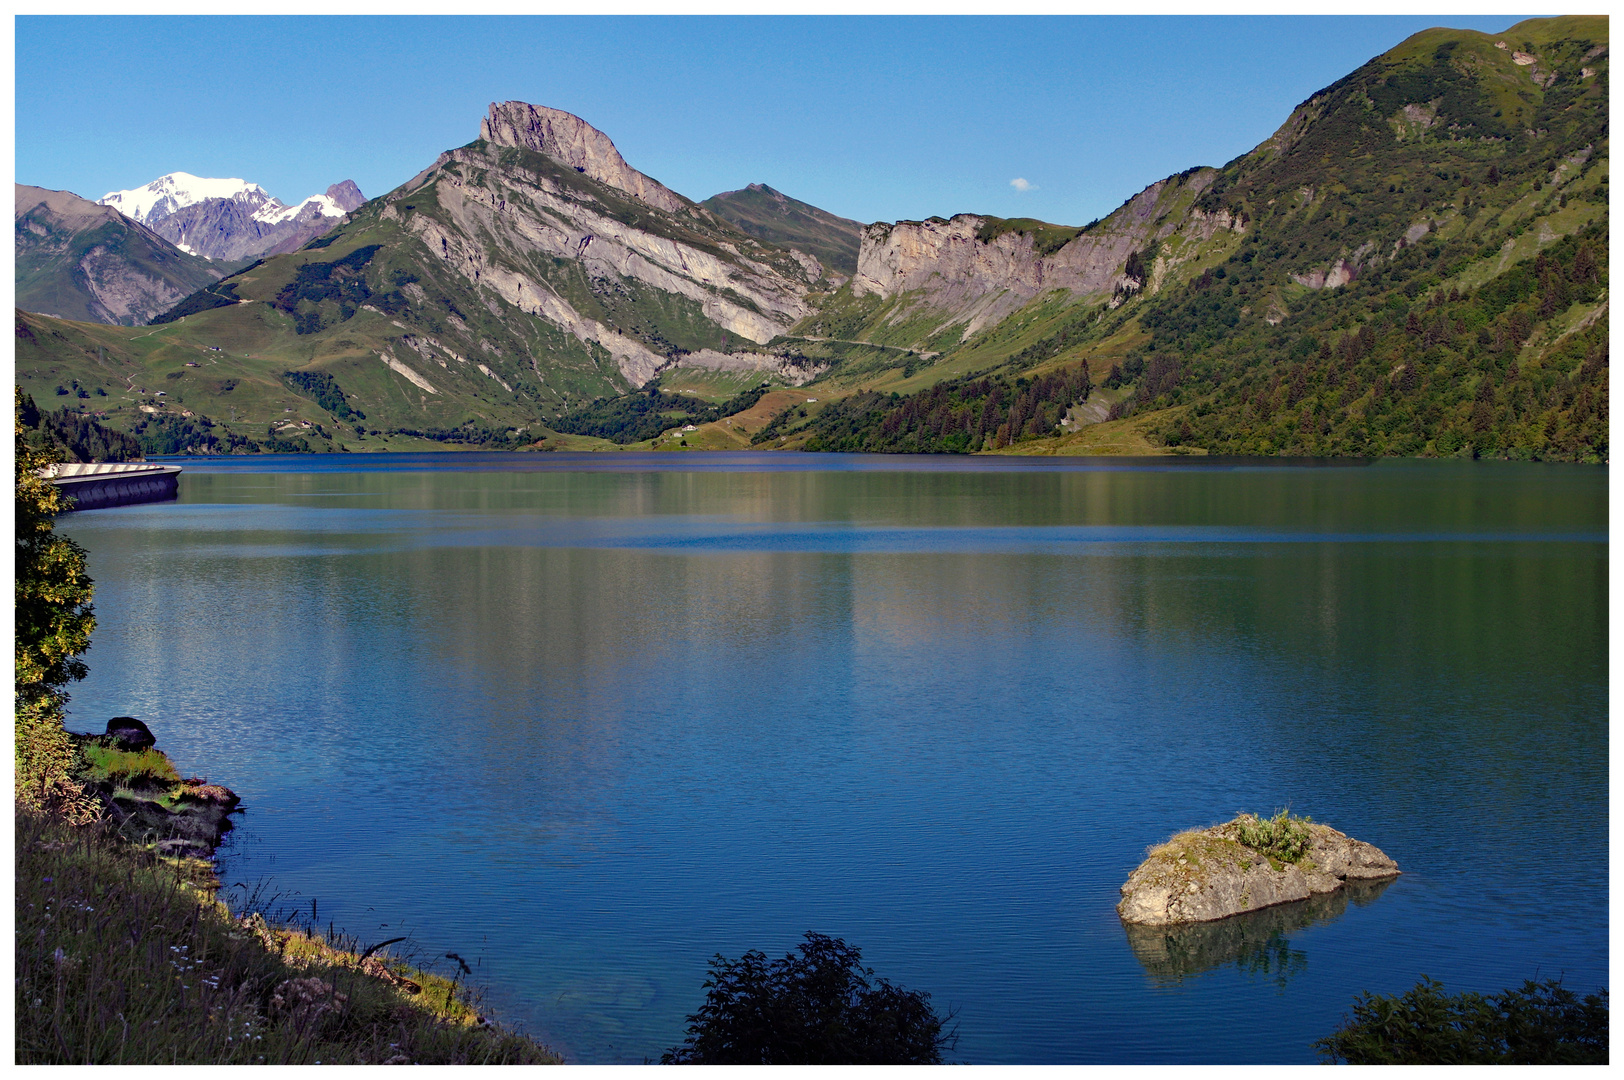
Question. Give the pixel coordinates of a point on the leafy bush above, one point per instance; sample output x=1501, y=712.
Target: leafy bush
x=1540, y=1024
x=818, y=1008
x=53, y=621
x=1283, y=836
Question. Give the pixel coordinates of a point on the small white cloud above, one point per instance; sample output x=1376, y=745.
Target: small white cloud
x=1020, y=183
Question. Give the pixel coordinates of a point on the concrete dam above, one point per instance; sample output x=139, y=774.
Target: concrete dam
x=94, y=485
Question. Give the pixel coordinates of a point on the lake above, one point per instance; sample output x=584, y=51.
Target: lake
x=588, y=720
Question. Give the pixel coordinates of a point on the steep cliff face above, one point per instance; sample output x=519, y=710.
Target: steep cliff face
x=79, y=260
x=571, y=141
x=543, y=204
x=975, y=271
x=516, y=277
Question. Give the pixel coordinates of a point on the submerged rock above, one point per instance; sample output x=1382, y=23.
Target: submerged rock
x=1208, y=874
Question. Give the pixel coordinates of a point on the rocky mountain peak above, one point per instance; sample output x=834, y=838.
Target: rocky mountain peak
x=346, y=195
x=568, y=139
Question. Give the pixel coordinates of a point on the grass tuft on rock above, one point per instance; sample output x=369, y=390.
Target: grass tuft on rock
x=1283, y=837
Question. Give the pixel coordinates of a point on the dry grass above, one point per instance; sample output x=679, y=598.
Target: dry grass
x=120, y=959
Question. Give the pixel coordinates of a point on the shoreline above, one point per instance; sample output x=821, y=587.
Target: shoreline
x=126, y=953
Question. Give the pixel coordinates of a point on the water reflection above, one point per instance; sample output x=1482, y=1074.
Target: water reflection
x=613, y=723
x=1257, y=943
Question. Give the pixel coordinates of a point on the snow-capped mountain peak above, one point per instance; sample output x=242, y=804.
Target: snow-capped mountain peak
x=231, y=219
x=320, y=205
x=153, y=202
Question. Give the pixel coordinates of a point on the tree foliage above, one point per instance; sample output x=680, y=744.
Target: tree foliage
x=73, y=436
x=1372, y=372
x=53, y=624
x=816, y=1008
x=342, y=281
x=321, y=386
x=1539, y=1024
x=649, y=412
x=167, y=433
x=952, y=417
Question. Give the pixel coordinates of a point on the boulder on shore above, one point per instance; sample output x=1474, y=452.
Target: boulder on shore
x=131, y=733
x=1208, y=874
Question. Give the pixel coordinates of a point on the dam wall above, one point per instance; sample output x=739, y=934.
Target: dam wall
x=95, y=485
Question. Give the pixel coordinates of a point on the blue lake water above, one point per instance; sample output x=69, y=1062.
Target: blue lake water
x=589, y=720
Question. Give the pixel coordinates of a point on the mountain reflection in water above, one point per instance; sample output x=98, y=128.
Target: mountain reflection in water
x=590, y=724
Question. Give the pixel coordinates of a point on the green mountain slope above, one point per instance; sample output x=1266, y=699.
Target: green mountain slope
x=775, y=217
x=526, y=273
x=78, y=260
x=1414, y=264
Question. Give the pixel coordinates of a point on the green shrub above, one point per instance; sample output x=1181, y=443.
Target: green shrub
x=1540, y=1024
x=818, y=1008
x=53, y=619
x=1283, y=836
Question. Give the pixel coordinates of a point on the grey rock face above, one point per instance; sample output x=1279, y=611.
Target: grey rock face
x=1208, y=874
x=346, y=195
x=499, y=226
x=1258, y=941
x=976, y=283
x=574, y=142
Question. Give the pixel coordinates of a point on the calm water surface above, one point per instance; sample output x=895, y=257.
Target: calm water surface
x=591, y=720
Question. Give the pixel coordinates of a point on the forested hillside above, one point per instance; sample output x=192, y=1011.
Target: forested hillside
x=1421, y=269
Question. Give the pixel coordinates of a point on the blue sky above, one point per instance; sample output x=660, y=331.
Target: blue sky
x=871, y=118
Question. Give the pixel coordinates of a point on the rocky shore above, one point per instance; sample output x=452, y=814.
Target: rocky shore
x=140, y=791
x=1208, y=874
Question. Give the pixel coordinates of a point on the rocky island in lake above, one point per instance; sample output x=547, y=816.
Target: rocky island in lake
x=1243, y=865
